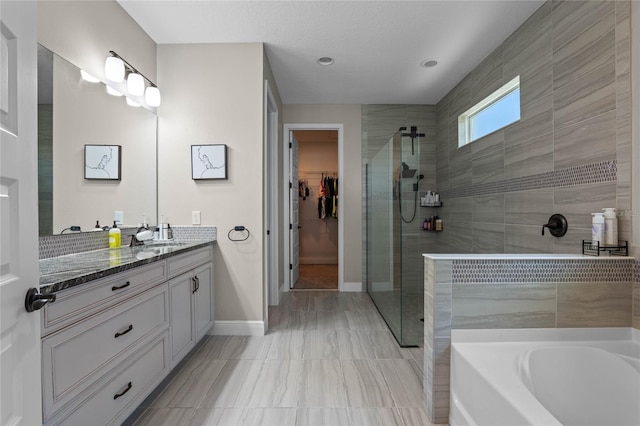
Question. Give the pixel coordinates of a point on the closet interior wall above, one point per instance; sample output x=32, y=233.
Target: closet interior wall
x=317, y=159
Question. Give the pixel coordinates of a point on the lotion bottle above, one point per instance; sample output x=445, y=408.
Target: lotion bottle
x=610, y=227
x=114, y=236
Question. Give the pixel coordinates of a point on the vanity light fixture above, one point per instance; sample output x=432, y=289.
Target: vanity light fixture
x=135, y=84
x=116, y=68
x=113, y=92
x=88, y=77
x=132, y=103
x=152, y=96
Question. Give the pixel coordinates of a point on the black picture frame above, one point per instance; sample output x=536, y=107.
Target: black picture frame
x=209, y=162
x=102, y=162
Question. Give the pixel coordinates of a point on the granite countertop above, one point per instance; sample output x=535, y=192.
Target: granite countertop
x=59, y=273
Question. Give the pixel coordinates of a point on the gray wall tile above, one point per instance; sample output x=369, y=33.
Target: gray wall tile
x=577, y=203
x=489, y=208
x=533, y=207
x=591, y=49
x=526, y=239
x=586, y=142
x=586, y=97
x=503, y=305
x=594, y=304
x=488, y=237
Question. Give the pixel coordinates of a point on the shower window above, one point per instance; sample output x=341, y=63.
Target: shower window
x=496, y=111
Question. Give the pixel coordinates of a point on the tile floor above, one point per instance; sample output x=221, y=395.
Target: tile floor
x=328, y=359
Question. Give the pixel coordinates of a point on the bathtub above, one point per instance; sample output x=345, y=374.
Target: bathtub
x=545, y=377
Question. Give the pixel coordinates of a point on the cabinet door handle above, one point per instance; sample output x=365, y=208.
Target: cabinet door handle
x=193, y=280
x=114, y=288
x=197, y=283
x=122, y=333
x=118, y=395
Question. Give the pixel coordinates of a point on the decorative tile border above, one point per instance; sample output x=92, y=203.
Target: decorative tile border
x=60, y=245
x=605, y=171
x=542, y=271
x=195, y=232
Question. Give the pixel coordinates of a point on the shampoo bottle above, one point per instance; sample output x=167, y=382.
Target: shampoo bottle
x=114, y=236
x=597, y=229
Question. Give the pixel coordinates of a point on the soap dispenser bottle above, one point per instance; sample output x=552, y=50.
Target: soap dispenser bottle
x=114, y=236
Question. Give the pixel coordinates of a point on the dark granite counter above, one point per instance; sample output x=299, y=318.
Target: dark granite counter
x=59, y=273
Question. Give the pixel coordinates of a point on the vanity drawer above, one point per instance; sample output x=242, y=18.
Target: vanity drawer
x=77, y=356
x=81, y=301
x=185, y=262
x=103, y=406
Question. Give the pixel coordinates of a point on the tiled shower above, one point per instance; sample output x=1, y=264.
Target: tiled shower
x=570, y=153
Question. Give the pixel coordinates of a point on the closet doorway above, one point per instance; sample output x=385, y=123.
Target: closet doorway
x=318, y=206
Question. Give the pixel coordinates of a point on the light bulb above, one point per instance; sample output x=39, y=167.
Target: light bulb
x=135, y=84
x=114, y=69
x=113, y=92
x=88, y=77
x=132, y=103
x=152, y=96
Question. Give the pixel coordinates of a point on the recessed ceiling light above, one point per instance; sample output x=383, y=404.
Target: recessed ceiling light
x=325, y=60
x=428, y=63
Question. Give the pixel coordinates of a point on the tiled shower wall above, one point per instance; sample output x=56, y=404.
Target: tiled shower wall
x=571, y=151
x=379, y=123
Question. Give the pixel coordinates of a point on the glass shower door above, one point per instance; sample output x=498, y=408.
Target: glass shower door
x=392, y=228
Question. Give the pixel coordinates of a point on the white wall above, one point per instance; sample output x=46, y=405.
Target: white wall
x=351, y=183
x=84, y=113
x=83, y=32
x=213, y=94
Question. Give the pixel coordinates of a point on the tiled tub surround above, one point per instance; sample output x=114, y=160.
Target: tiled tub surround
x=571, y=151
x=465, y=291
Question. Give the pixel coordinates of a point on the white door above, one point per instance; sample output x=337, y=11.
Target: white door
x=20, y=393
x=294, y=220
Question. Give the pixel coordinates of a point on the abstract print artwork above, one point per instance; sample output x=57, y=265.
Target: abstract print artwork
x=208, y=162
x=102, y=162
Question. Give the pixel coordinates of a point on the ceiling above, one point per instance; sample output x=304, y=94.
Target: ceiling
x=377, y=45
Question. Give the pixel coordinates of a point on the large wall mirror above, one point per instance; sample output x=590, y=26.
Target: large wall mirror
x=72, y=113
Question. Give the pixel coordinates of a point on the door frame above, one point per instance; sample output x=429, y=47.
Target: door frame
x=271, y=294
x=287, y=127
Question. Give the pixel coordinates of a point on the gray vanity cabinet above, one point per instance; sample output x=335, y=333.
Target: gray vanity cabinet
x=108, y=343
x=192, y=311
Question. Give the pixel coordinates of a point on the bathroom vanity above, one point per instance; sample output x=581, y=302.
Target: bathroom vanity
x=122, y=319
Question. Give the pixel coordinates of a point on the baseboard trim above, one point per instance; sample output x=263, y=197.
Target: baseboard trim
x=238, y=328
x=353, y=286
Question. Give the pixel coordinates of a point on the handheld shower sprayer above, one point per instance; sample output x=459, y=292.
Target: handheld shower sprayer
x=416, y=185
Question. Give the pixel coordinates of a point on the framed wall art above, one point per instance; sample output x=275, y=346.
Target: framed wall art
x=102, y=162
x=208, y=162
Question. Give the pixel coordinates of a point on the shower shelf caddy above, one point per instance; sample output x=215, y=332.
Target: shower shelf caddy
x=591, y=249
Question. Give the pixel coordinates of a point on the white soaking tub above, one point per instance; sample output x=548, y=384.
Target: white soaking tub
x=545, y=377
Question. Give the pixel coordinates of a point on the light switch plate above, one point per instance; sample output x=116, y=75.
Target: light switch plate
x=118, y=216
x=195, y=217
